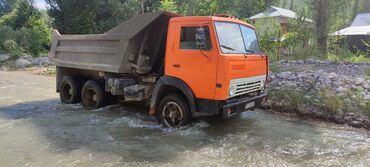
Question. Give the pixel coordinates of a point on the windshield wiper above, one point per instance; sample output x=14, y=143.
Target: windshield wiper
x=253, y=52
x=227, y=47
x=250, y=51
x=230, y=48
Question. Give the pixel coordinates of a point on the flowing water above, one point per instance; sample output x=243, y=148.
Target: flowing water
x=37, y=130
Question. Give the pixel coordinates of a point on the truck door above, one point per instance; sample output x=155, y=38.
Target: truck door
x=197, y=67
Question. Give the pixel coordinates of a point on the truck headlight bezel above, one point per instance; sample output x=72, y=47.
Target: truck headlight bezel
x=232, y=91
x=263, y=86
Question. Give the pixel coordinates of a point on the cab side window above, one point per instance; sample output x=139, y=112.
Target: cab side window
x=188, y=40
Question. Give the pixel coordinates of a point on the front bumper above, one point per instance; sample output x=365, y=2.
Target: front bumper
x=237, y=106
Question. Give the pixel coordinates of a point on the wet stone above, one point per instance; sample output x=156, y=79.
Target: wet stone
x=22, y=63
x=356, y=124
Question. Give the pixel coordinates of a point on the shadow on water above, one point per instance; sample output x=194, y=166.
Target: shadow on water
x=127, y=130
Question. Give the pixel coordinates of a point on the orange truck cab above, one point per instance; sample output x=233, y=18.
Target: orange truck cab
x=185, y=67
x=227, y=75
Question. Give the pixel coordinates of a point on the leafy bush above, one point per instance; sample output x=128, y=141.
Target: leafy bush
x=345, y=55
x=10, y=46
x=32, y=41
x=269, y=34
x=26, y=29
x=358, y=59
x=6, y=33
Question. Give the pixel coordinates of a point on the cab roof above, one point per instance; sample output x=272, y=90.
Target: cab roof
x=209, y=18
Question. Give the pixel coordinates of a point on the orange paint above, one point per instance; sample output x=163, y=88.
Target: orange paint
x=202, y=71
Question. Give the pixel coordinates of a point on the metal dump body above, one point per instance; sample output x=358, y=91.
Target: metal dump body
x=119, y=50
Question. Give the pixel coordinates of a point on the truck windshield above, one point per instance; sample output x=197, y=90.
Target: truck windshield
x=236, y=38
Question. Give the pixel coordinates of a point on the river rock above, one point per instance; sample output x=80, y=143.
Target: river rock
x=22, y=63
x=316, y=113
x=329, y=62
x=367, y=97
x=348, y=118
x=345, y=81
x=341, y=89
x=310, y=61
x=366, y=86
x=338, y=119
x=367, y=124
x=356, y=124
x=4, y=57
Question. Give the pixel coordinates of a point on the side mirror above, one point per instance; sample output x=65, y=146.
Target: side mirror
x=200, y=37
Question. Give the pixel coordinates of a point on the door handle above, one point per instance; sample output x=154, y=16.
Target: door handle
x=176, y=65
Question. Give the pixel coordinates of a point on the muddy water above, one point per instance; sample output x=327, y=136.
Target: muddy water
x=36, y=130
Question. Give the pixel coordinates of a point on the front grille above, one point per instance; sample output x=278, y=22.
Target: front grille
x=248, y=88
x=242, y=86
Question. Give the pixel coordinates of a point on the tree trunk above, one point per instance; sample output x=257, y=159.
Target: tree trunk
x=143, y=6
x=321, y=8
x=291, y=5
x=355, y=9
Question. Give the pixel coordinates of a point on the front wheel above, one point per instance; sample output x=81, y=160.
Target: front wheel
x=173, y=111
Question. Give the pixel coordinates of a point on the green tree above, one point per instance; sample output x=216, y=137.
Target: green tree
x=168, y=5
x=40, y=35
x=244, y=8
x=6, y=6
x=27, y=28
x=269, y=35
x=197, y=7
x=94, y=16
x=364, y=6
x=19, y=15
x=340, y=15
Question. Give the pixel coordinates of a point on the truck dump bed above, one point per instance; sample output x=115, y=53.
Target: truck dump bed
x=135, y=46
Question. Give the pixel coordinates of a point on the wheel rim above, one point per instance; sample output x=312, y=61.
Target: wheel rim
x=67, y=92
x=91, y=97
x=172, y=114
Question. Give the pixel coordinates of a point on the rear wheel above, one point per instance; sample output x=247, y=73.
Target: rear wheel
x=173, y=111
x=70, y=90
x=92, y=95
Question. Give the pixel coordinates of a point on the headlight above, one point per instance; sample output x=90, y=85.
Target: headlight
x=262, y=86
x=232, y=91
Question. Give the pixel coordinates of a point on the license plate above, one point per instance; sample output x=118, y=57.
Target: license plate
x=249, y=105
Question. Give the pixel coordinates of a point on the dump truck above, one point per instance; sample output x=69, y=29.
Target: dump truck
x=182, y=67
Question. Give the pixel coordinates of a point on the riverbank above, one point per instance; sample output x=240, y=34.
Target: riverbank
x=322, y=90
x=26, y=63
x=122, y=135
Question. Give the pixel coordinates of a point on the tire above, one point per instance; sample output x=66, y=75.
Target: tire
x=174, y=111
x=93, y=96
x=70, y=90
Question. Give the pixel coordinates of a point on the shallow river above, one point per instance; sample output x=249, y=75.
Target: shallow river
x=36, y=130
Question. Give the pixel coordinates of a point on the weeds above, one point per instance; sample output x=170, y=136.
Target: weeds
x=326, y=100
x=274, y=68
x=367, y=72
x=329, y=101
x=290, y=99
